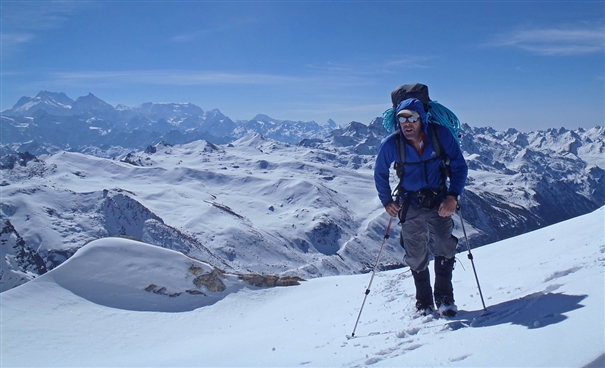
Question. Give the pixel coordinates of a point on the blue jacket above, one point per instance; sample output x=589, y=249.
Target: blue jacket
x=420, y=172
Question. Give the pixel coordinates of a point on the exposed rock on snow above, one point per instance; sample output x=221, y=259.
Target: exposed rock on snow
x=18, y=262
x=270, y=280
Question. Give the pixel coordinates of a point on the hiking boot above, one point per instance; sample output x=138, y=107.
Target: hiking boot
x=446, y=306
x=447, y=309
x=424, y=309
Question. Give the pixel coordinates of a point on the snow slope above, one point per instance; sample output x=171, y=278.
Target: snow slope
x=258, y=205
x=544, y=292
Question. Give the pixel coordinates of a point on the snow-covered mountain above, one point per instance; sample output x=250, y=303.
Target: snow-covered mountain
x=256, y=205
x=122, y=303
x=66, y=124
x=259, y=205
x=284, y=130
x=50, y=102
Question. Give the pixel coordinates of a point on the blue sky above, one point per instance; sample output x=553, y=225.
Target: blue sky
x=521, y=64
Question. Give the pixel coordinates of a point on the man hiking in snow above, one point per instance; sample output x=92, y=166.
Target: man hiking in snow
x=424, y=202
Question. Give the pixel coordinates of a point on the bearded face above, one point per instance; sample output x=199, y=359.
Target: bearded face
x=412, y=130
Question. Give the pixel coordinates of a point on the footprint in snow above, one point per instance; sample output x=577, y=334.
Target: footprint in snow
x=413, y=331
x=372, y=361
x=460, y=358
x=409, y=332
x=563, y=273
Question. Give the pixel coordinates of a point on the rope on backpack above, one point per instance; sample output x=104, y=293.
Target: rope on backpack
x=439, y=114
x=388, y=120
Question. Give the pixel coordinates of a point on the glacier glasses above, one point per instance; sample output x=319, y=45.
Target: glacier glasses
x=411, y=119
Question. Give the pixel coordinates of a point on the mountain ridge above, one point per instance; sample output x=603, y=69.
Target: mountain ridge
x=260, y=205
x=178, y=119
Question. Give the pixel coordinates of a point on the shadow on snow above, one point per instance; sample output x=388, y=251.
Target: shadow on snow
x=532, y=311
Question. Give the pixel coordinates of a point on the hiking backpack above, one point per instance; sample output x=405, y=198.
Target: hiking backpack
x=436, y=114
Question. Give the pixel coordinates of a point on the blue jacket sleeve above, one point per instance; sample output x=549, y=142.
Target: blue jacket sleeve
x=387, y=154
x=458, y=166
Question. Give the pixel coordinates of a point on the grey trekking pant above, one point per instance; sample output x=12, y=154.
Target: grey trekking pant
x=423, y=231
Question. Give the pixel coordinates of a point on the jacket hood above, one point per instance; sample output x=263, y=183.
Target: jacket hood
x=415, y=105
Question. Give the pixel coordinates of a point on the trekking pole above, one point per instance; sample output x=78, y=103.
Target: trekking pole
x=386, y=236
x=470, y=256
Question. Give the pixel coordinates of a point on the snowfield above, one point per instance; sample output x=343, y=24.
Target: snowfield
x=119, y=302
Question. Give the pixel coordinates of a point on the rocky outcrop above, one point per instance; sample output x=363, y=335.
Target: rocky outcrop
x=211, y=281
x=125, y=216
x=270, y=280
x=18, y=262
x=215, y=281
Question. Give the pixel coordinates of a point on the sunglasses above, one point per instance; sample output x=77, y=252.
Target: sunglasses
x=403, y=119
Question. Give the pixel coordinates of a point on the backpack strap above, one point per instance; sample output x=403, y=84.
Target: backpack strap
x=446, y=171
x=436, y=140
x=400, y=152
x=399, y=167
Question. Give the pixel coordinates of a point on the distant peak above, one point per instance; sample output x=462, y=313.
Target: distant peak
x=53, y=95
x=89, y=96
x=262, y=117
